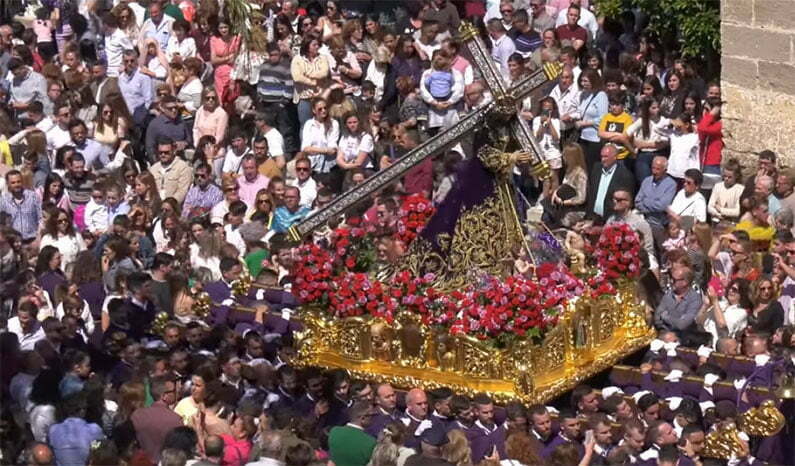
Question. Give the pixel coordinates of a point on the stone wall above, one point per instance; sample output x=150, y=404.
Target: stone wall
x=758, y=77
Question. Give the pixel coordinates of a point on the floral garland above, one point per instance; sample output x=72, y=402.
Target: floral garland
x=492, y=309
x=414, y=214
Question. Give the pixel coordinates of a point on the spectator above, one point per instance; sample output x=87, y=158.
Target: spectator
x=21, y=205
x=724, y=202
x=679, y=307
x=689, y=202
x=606, y=177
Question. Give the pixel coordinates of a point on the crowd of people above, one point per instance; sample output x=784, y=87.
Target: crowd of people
x=148, y=152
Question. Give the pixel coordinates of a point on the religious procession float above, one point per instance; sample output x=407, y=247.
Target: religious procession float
x=528, y=336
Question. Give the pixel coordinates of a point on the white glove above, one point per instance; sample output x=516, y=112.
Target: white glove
x=705, y=405
x=761, y=359
x=607, y=392
x=674, y=376
x=425, y=424
x=674, y=402
x=704, y=351
x=738, y=384
x=670, y=348
x=656, y=345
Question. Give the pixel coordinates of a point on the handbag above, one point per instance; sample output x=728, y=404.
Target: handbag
x=574, y=133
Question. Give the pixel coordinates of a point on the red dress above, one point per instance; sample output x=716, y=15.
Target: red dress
x=224, y=86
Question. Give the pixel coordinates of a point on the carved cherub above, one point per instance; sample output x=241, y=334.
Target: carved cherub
x=381, y=341
x=575, y=247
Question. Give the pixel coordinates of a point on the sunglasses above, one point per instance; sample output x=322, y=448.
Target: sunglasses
x=263, y=201
x=302, y=169
x=200, y=175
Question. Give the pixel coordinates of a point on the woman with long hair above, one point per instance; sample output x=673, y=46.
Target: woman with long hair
x=284, y=36
x=115, y=261
x=263, y=209
x=53, y=191
x=672, y=102
x=767, y=314
x=146, y=193
x=110, y=126
x=126, y=21
x=405, y=61
x=521, y=450
x=320, y=136
x=60, y=233
x=727, y=316
x=651, y=88
x=87, y=276
x=210, y=119
x=649, y=135
x=546, y=129
x=189, y=93
x=592, y=106
x=355, y=147
x=565, y=207
x=224, y=47
x=48, y=270
x=311, y=72
x=329, y=23
x=206, y=252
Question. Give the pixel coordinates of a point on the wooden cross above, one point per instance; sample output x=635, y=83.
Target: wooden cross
x=502, y=98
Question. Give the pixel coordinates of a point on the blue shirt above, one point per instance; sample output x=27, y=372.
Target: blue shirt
x=654, y=197
x=592, y=108
x=122, y=209
x=71, y=441
x=136, y=88
x=25, y=213
x=95, y=154
x=283, y=219
x=604, y=183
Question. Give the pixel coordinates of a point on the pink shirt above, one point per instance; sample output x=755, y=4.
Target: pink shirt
x=248, y=190
x=236, y=452
x=210, y=124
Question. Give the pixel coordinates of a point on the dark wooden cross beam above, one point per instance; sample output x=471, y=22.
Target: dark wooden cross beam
x=449, y=137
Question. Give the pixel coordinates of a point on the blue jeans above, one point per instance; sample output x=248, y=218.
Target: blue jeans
x=304, y=113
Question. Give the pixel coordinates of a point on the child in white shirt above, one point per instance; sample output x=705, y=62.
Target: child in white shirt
x=96, y=213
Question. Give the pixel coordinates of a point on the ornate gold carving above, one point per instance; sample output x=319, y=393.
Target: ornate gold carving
x=407, y=353
x=762, y=421
x=724, y=443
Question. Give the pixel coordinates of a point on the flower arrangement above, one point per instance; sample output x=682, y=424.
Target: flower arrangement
x=617, y=255
x=354, y=250
x=414, y=213
x=339, y=281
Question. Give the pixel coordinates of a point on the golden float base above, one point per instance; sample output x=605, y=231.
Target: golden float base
x=591, y=336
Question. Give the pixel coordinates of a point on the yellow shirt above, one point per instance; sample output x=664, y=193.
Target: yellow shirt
x=617, y=124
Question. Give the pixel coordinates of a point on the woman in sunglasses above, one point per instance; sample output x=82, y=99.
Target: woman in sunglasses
x=767, y=315
x=59, y=232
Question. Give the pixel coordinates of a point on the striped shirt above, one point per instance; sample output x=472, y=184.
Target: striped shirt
x=275, y=82
x=25, y=213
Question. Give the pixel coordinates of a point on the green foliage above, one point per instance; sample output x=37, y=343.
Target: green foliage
x=695, y=25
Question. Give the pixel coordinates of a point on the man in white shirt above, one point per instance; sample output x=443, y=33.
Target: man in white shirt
x=587, y=19
x=304, y=182
x=233, y=159
x=264, y=124
x=567, y=97
x=157, y=27
x=58, y=136
x=116, y=42
x=502, y=45
x=26, y=327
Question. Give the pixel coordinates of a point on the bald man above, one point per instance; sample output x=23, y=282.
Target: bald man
x=416, y=412
x=41, y=455
x=385, y=409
